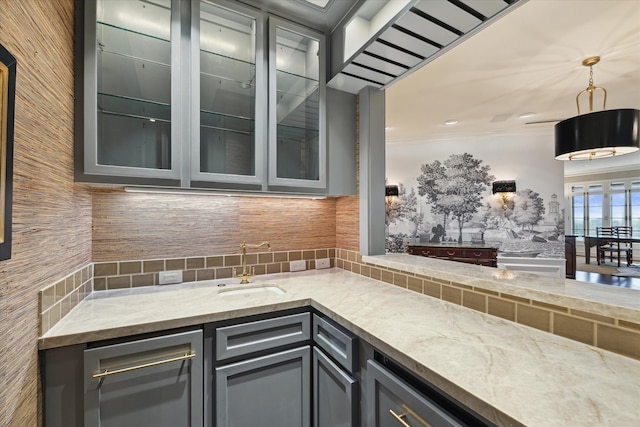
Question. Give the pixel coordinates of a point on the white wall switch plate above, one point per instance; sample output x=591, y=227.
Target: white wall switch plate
x=297, y=265
x=322, y=263
x=169, y=277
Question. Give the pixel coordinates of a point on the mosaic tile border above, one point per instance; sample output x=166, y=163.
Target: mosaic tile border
x=616, y=335
x=56, y=300
x=135, y=273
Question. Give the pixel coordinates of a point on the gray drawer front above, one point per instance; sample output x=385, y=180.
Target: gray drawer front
x=247, y=338
x=387, y=392
x=151, y=382
x=339, y=344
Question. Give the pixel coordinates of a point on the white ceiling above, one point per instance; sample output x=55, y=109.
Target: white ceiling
x=528, y=61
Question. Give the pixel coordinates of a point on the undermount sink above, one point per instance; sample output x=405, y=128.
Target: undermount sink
x=251, y=290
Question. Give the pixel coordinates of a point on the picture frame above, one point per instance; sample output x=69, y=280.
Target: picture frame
x=7, y=104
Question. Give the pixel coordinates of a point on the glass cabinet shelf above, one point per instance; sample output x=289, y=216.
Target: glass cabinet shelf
x=132, y=107
x=294, y=84
x=296, y=134
x=226, y=122
x=225, y=67
x=132, y=43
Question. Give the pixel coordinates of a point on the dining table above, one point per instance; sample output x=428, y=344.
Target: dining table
x=591, y=241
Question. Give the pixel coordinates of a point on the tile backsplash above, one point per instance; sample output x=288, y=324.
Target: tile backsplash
x=621, y=336
x=134, y=273
x=56, y=300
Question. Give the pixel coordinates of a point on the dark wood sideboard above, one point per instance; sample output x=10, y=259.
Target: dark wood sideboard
x=570, y=256
x=471, y=254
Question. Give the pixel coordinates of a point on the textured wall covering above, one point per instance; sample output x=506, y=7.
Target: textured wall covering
x=149, y=226
x=51, y=214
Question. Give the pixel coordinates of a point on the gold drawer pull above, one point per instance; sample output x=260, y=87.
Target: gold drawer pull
x=400, y=418
x=106, y=373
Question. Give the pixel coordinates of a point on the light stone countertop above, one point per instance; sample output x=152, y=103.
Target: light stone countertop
x=621, y=303
x=509, y=373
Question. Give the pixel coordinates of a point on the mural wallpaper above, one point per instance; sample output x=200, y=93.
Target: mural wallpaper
x=448, y=198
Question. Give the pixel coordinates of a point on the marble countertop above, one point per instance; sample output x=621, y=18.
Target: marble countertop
x=509, y=373
x=621, y=303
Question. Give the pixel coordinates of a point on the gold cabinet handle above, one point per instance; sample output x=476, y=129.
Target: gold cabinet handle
x=106, y=372
x=400, y=418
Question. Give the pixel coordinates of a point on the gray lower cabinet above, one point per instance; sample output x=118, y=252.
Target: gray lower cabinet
x=153, y=382
x=391, y=402
x=272, y=390
x=335, y=397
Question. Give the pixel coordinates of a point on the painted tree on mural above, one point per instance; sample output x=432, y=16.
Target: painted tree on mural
x=528, y=209
x=404, y=207
x=454, y=188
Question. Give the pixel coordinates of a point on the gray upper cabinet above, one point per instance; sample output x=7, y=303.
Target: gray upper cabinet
x=207, y=94
x=297, y=153
x=228, y=135
x=129, y=126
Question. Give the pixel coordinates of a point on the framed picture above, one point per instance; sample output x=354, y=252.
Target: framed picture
x=7, y=102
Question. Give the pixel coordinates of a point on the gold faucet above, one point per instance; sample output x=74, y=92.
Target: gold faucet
x=245, y=274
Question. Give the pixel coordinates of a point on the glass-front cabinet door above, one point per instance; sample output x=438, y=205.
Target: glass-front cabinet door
x=128, y=102
x=232, y=84
x=200, y=93
x=297, y=155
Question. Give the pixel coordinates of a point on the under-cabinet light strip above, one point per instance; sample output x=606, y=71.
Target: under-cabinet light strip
x=226, y=193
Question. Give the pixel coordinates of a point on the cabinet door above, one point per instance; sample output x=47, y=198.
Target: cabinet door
x=273, y=390
x=128, y=91
x=232, y=84
x=260, y=335
x=391, y=402
x=297, y=136
x=335, y=397
x=154, y=382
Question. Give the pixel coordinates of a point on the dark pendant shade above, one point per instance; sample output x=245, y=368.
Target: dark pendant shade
x=598, y=134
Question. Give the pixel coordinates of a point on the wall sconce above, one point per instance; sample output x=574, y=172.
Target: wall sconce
x=505, y=190
x=390, y=191
x=504, y=187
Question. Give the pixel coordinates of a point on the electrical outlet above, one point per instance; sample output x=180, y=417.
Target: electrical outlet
x=322, y=263
x=297, y=265
x=169, y=277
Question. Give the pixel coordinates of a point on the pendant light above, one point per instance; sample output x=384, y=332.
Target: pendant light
x=597, y=134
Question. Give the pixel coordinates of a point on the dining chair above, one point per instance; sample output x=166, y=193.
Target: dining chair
x=605, y=243
x=626, y=247
x=611, y=240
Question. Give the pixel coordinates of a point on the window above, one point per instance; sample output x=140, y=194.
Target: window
x=618, y=204
x=577, y=210
x=604, y=204
x=635, y=208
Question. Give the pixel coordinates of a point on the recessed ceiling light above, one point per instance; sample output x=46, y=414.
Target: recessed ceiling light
x=526, y=115
x=451, y=122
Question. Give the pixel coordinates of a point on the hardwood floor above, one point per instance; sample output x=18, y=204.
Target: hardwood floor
x=608, y=279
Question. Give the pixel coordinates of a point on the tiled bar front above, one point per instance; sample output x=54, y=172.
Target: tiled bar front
x=617, y=333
